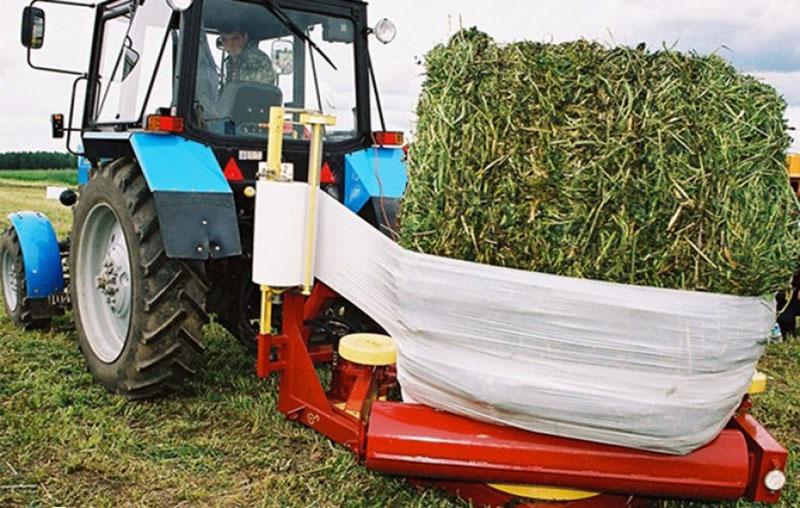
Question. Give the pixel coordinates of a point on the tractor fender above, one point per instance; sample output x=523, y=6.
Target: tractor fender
x=194, y=202
x=40, y=254
x=375, y=172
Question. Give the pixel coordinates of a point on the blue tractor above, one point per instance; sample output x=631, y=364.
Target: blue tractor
x=177, y=96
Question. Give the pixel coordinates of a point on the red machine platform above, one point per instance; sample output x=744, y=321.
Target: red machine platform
x=462, y=455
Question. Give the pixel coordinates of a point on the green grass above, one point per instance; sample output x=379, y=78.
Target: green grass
x=50, y=176
x=65, y=441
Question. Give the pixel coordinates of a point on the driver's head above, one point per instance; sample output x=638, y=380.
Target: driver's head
x=234, y=40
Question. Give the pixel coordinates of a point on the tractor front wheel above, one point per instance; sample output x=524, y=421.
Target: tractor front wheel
x=139, y=315
x=12, y=278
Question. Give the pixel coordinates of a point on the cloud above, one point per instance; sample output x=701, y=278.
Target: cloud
x=785, y=82
x=793, y=114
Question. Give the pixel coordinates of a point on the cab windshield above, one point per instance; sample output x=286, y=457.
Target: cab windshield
x=249, y=61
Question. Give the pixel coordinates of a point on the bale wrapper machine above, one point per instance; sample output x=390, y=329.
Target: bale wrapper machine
x=167, y=229
x=483, y=462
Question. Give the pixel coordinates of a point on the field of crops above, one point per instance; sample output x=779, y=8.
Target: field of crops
x=52, y=176
x=220, y=441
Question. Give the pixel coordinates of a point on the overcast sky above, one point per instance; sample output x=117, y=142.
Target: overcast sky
x=760, y=37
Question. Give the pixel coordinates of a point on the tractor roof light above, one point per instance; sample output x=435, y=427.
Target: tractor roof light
x=385, y=31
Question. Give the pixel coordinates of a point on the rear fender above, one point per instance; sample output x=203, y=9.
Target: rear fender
x=194, y=202
x=40, y=254
x=373, y=173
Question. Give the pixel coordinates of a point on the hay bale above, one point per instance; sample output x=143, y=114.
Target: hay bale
x=620, y=164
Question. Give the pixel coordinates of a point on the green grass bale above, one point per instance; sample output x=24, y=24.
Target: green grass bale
x=654, y=168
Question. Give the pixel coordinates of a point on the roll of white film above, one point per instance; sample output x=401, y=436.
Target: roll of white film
x=280, y=226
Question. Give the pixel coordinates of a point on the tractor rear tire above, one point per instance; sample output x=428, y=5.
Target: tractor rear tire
x=12, y=279
x=139, y=315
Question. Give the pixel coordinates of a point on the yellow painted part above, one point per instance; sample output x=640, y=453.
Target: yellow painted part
x=275, y=143
x=793, y=162
x=317, y=119
x=759, y=383
x=317, y=123
x=368, y=349
x=342, y=407
x=265, y=321
x=543, y=493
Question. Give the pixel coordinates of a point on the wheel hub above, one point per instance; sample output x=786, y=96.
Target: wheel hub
x=10, y=282
x=103, y=280
x=114, y=280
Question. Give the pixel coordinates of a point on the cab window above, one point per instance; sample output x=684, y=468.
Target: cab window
x=249, y=60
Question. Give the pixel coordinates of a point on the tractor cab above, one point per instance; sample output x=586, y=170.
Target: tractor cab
x=248, y=60
x=219, y=65
x=209, y=70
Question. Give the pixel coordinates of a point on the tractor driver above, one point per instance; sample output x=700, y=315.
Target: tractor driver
x=245, y=62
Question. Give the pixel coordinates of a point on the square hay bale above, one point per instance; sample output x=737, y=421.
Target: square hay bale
x=654, y=168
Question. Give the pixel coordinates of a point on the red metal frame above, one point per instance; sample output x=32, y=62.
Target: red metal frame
x=459, y=448
x=460, y=455
x=766, y=454
x=302, y=397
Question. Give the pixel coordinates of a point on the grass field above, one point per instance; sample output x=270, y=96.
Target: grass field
x=65, y=441
x=52, y=176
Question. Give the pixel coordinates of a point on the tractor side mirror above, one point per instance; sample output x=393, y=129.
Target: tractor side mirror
x=283, y=56
x=32, y=27
x=130, y=57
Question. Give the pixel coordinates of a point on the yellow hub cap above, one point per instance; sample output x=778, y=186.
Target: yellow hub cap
x=368, y=349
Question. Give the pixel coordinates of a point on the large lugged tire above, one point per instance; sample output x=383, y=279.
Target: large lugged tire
x=12, y=279
x=139, y=314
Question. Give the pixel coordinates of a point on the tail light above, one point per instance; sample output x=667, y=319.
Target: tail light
x=388, y=138
x=162, y=123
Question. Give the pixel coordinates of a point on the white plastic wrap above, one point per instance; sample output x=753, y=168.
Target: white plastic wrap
x=646, y=368
x=279, y=236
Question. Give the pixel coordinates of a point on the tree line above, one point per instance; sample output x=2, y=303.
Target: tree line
x=37, y=160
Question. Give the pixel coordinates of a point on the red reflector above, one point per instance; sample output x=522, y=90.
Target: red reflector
x=232, y=172
x=326, y=175
x=392, y=138
x=165, y=123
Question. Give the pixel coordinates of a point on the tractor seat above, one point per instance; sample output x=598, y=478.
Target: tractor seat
x=245, y=105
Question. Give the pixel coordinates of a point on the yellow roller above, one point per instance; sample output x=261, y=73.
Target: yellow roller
x=368, y=349
x=543, y=493
x=759, y=383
